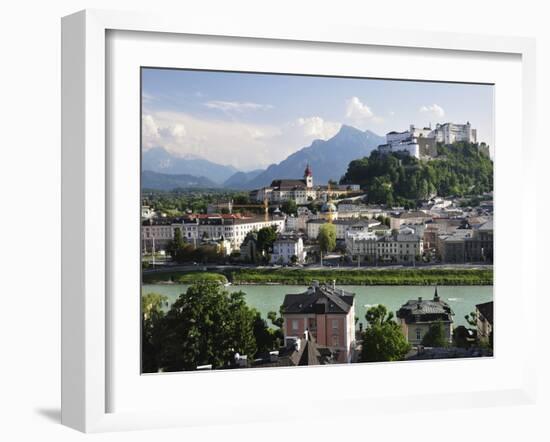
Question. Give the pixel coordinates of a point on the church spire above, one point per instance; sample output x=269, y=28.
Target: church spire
x=308, y=176
x=436, y=295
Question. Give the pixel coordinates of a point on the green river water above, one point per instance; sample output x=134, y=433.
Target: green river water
x=265, y=298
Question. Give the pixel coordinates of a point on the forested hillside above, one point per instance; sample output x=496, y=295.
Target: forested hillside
x=460, y=169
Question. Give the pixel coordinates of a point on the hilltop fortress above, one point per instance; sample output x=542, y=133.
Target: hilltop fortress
x=422, y=142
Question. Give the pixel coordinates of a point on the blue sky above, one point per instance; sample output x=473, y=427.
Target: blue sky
x=253, y=120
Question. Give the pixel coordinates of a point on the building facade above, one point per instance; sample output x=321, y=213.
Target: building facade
x=404, y=247
x=301, y=191
x=156, y=234
x=418, y=315
x=484, y=321
x=465, y=245
x=343, y=226
x=326, y=312
x=288, y=250
x=422, y=142
x=227, y=229
x=449, y=133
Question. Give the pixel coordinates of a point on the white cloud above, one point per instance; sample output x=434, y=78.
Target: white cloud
x=355, y=109
x=243, y=145
x=434, y=109
x=360, y=114
x=236, y=106
x=317, y=127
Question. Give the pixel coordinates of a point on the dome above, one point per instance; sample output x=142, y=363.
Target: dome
x=328, y=207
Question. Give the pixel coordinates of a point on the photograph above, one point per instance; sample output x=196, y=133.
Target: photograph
x=292, y=220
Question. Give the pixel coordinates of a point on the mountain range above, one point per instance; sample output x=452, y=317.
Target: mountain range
x=165, y=181
x=160, y=160
x=328, y=159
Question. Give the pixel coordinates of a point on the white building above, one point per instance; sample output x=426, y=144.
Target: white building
x=419, y=142
x=232, y=228
x=401, y=142
x=156, y=234
x=296, y=223
x=287, y=247
x=409, y=217
x=342, y=226
x=403, y=247
x=449, y=133
x=302, y=191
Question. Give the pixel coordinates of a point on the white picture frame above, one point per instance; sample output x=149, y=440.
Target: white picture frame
x=86, y=207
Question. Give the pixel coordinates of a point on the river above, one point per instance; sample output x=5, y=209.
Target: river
x=266, y=298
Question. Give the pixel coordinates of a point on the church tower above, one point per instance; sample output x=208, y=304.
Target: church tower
x=308, y=176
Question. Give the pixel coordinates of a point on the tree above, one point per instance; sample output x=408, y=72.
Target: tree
x=327, y=237
x=461, y=337
x=382, y=338
x=266, y=339
x=266, y=238
x=398, y=178
x=206, y=325
x=471, y=319
x=151, y=318
x=378, y=315
x=436, y=336
x=289, y=207
x=276, y=321
x=177, y=243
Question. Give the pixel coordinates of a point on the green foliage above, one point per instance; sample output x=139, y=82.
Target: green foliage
x=151, y=317
x=289, y=207
x=382, y=339
x=187, y=252
x=266, y=238
x=184, y=277
x=206, y=325
x=460, y=169
x=267, y=339
x=471, y=319
x=277, y=321
x=461, y=337
x=364, y=276
x=378, y=315
x=436, y=336
x=152, y=304
x=178, y=201
x=327, y=237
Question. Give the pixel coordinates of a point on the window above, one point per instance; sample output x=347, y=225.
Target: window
x=295, y=325
x=335, y=324
x=335, y=341
x=418, y=334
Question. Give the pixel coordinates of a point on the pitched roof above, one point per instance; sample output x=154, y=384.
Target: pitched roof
x=288, y=184
x=319, y=299
x=486, y=309
x=309, y=353
x=416, y=310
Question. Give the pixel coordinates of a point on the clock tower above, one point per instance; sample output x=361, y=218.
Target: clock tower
x=308, y=176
